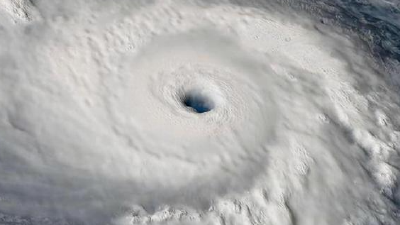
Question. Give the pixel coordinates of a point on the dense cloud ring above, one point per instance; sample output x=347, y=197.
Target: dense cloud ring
x=222, y=142
x=187, y=112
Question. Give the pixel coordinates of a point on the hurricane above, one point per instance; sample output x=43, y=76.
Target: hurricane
x=247, y=112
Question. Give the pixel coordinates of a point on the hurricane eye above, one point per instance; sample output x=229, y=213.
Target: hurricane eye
x=197, y=101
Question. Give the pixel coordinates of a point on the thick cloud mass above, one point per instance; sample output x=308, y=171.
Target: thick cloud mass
x=94, y=128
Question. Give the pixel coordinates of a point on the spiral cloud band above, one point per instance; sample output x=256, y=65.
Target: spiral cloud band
x=191, y=112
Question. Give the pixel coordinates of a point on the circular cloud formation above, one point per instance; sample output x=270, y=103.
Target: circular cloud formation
x=176, y=112
x=211, y=149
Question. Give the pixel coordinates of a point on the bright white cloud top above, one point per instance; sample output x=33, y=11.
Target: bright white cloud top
x=95, y=125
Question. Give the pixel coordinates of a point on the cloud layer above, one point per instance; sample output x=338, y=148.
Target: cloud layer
x=93, y=129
